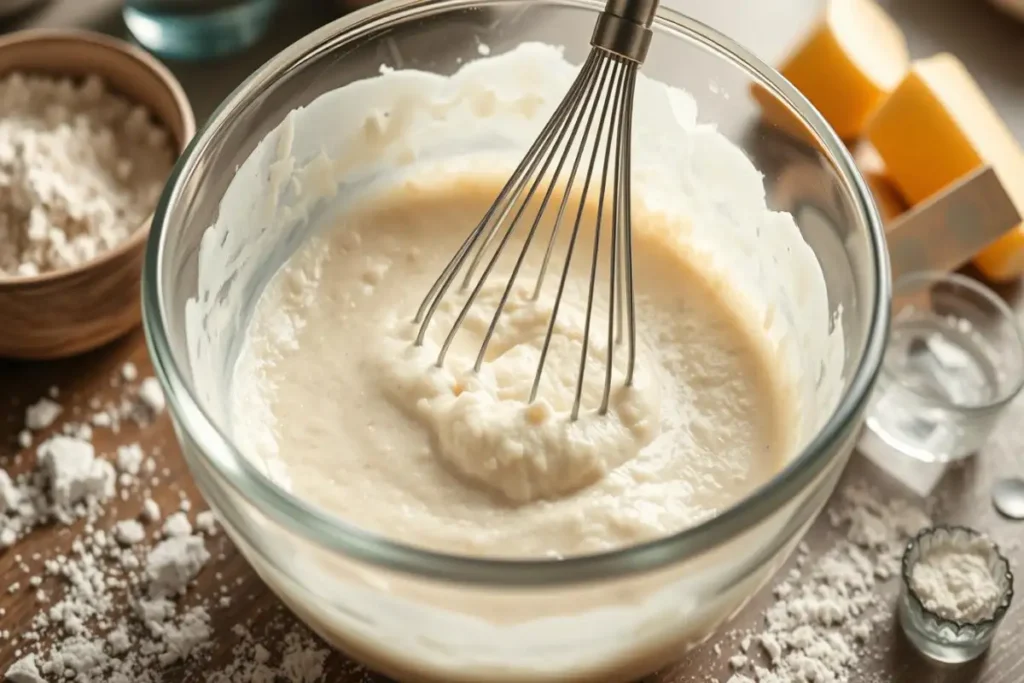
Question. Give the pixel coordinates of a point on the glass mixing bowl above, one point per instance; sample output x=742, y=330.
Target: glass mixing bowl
x=429, y=616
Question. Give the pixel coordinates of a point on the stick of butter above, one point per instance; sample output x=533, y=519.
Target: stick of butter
x=936, y=128
x=851, y=60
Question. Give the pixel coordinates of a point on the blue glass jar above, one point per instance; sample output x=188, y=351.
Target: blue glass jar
x=198, y=29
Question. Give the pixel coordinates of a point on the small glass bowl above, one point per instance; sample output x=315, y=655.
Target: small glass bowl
x=946, y=640
x=954, y=361
x=198, y=29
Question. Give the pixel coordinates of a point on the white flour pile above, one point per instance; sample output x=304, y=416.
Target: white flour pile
x=81, y=168
x=818, y=628
x=955, y=581
x=300, y=662
x=69, y=481
x=116, y=608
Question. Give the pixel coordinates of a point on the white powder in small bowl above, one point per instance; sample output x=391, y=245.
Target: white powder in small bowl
x=955, y=581
x=81, y=169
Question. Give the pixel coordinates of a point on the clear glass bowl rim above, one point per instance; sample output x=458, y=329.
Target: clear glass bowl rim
x=335, y=534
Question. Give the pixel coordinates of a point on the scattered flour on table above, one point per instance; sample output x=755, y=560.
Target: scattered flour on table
x=151, y=395
x=816, y=631
x=82, y=632
x=74, y=474
x=174, y=563
x=80, y=170
x=177, y=524
x=824, y=612
x=70, y=482
x=206, y=522
x=955, y=581
x=740, y=678
x=129, y=372
x=84, y=635
x=302, y=660
x=129, y=532
x=130, y=458
x=150, y=510
x=41, y=414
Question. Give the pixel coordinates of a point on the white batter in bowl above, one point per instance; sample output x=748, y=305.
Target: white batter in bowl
x=461, y=461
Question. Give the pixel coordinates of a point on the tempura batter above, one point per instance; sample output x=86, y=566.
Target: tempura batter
x=330, y=384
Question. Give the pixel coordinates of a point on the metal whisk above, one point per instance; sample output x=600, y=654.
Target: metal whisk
x=605, y=85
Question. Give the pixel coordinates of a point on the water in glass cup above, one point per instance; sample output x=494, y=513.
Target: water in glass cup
x=198, y=29
x=955, y=359
x=936, y=368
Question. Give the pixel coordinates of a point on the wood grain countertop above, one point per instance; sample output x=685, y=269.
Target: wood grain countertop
x=991, y=45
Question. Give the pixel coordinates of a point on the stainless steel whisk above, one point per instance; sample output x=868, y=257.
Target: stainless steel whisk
x=606, y=81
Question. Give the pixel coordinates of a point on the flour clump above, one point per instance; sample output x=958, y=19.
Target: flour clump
x=173, y=563
x=486, y=426
x=41, y=414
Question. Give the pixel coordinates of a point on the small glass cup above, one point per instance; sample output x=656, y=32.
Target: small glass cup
x=946, y=640
x=955, y=359
x=198, y=29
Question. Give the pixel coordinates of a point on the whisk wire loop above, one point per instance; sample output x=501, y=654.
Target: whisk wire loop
x=613, y=99
x=524, y=204
x=602, y=93
x=614, y=290
x=626, y=191
x=567, y=114
x=440, y=287
x=572, y=239
x=552, y=186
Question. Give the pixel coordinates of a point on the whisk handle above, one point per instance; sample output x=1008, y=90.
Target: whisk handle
x=637, y=11
x=624, y=28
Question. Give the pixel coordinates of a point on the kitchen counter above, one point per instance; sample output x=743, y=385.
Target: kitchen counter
x=989, y=43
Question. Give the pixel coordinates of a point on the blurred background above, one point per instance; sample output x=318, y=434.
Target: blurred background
x=212, y=45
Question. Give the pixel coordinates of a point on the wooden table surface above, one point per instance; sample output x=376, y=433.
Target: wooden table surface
x=964, y=490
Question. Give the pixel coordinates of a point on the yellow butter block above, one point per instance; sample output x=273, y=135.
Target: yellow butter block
x=851, y=60
x=890, y=203
x=937, y=127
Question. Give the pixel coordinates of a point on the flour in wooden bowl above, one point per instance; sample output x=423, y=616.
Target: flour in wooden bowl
x=81, y=169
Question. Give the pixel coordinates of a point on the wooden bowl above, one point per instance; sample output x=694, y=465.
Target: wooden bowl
x=70, y=311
